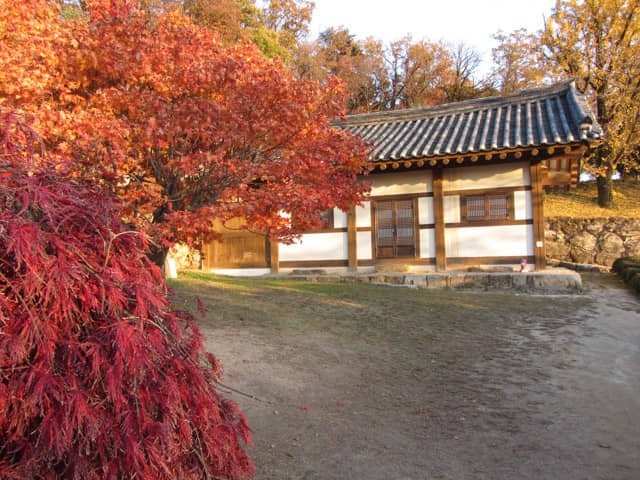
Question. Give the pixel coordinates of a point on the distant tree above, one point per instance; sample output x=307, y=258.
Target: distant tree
x=420, y=72
x=369, y=94
x=337, y=53
x=290, y=18
x=228, y=17
x=233, y=20
x=403, y=74
x=100, y=378
x=598, y=43
x=518, y=62
x=463, y=86
x=338, y=49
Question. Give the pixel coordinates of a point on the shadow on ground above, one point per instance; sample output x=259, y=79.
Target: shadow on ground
x=361, y=381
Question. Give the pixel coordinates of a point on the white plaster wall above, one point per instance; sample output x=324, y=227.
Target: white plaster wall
x=501, y=241
x=365, y=249
x=427, y=243
x=487, y=176
x=425, y=211
x=401, y=183
x=317, y=246
x=363, y=215
x=452, y=209
x=523, y=205
x=339, y=218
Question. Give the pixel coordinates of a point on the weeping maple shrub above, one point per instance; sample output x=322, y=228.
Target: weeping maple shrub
x=99, y=377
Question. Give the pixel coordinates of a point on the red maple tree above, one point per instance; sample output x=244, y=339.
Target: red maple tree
x=185, y=129
x=99, y=377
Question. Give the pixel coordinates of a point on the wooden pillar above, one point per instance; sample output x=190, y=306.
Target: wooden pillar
x=274, y=255
x=352, y=239
x=438, y=213
x=207, y=257
x=538, y=215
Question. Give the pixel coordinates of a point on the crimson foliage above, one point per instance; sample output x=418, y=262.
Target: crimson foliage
x=99, y=377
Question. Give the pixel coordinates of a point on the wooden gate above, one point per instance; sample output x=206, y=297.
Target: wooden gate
x=237, y=248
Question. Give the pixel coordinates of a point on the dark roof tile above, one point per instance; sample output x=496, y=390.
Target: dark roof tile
x=537, y=117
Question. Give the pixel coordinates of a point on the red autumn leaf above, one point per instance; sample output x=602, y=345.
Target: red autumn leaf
x=179, y=125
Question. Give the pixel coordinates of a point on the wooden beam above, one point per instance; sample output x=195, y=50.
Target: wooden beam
x=352, y=239
x=206, y=265
x=274, y=255
x=538, y=215
x=438, y=213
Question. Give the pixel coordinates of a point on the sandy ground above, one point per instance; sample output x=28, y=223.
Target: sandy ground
x=531, y=388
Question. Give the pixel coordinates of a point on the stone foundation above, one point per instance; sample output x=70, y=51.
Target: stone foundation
x=557, y=280
x=598, y=241
x=186, y=258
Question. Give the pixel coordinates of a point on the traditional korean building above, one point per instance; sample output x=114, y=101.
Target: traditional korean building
x=454, y=186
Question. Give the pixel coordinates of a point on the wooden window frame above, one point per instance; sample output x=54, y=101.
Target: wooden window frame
x=487, y=217
x=330, y=227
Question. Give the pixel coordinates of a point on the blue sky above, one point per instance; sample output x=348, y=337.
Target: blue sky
x=469, y=21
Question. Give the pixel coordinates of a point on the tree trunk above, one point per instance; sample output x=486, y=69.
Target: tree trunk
x=158, y=255
x=605, y=191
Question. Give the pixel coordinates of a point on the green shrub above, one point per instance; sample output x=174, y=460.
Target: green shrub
x=629, y=272
x=620, y=264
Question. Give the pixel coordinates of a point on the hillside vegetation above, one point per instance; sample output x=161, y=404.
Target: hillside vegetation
x=582, y=201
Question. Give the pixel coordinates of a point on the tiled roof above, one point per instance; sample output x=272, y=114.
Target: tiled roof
x=531, y=118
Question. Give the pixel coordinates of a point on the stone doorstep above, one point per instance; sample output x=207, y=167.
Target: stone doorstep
x=556, y=280
x=579, y=267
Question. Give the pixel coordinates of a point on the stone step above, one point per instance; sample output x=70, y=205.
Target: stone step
x=556, y=280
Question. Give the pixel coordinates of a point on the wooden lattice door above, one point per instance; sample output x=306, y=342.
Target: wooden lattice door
x=395, y=229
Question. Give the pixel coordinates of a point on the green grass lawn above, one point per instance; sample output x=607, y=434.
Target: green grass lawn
x=582, y=202
x=355, y=313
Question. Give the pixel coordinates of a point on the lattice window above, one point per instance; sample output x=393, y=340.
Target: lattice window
x=395, y=228
x=486, y=207
x=498, y=206
x=475, y=207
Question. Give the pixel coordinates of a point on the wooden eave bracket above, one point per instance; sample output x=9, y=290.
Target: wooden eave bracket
x=576, y=148
x=453, y=160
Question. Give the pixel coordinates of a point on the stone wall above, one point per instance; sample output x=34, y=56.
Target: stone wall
x=597, y=241
x=186, y=258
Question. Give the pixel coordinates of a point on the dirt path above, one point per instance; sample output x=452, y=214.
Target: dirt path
x=492, y=387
